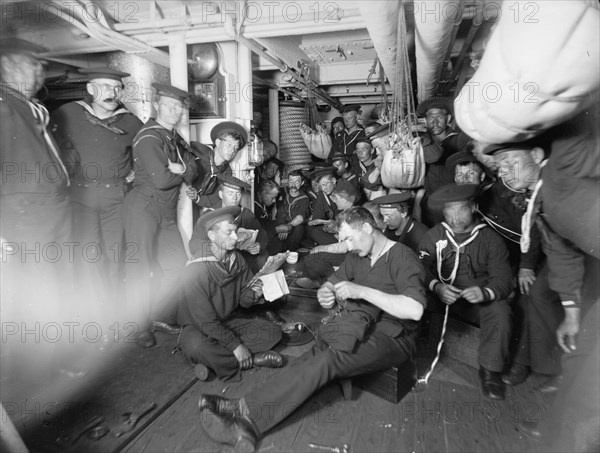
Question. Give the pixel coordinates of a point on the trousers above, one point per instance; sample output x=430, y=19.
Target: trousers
x=291, y=386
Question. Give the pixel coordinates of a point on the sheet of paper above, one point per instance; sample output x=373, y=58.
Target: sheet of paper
x=274, y=286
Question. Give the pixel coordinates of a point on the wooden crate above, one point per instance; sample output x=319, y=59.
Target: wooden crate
x=461, y=341
x=391, y=385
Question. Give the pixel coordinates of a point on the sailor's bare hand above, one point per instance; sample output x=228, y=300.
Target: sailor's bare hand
x=192, y=193
x=243, y=356
x=326, y=295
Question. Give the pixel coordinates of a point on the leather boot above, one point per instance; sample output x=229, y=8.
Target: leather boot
x=517, y=374
x=531, y=430
x=219, y=404
x=551, y=384
x=491, y=384
x=223, y=421
x=268, y=359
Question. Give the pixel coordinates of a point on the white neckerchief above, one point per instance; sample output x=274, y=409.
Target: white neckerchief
x=441, y=245
x=327, y=199
x=527, y=219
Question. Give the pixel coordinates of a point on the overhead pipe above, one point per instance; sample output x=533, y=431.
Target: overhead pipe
x=202, y=22
x=278, y=63
x=262, y=82
x=108, y=36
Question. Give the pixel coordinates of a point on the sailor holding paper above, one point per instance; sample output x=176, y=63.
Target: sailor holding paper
x=215, y=334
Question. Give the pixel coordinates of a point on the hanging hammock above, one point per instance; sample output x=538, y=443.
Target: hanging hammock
x=314, y=133
x=403, y=164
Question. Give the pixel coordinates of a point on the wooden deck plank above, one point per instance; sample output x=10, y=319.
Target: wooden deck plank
x=135, y=379
x=448, y=415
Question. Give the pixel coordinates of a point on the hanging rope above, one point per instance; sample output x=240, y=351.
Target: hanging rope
x=384, y=113
x=439, y=247
x=404, y=162
x=314, y=133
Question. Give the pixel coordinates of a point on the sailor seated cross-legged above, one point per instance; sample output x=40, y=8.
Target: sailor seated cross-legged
x=215, y=335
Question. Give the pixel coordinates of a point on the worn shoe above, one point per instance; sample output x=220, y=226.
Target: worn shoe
x=224, y=423
x=145, y=339
x=171, y=329
x=491, y=384
x=307, y=283
x=218, y=404
x=268, y=359
x=517, y=374
x=531, y=430
x=551, y=385
x=201, y=372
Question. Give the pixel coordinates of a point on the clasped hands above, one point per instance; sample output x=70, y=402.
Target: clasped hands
x=449, y=294
x=192, y=193
x=328, y=294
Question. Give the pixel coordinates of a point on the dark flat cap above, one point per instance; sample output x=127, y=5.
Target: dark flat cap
x=341, y=156
x=346, y=190
x=349, y=107
x=228, y=127
x=162, y=89
x=318, y=173
x=337, y=119
x=502, y=147
x=434, y=103
x=233, y=182
x=392, y=200
x=199, y=240
x=381, y=131
x=104, y=73
x=450, y=193
x=211, y=218
x=364, y=140
x=462, y=157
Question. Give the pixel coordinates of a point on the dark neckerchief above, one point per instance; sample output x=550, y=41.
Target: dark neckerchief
x=106, y=123
x=407, y=227
x=518, y=198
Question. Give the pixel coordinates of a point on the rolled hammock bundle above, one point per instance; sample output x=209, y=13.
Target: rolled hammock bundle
x=314, y=134
x=403, y=164
x=536, y=72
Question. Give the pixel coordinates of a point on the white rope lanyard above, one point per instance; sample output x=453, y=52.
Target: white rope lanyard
x=528, y=218
x=440, y=246
x=500, y=229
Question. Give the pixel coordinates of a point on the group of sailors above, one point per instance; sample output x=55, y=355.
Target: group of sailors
x=476, y=238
